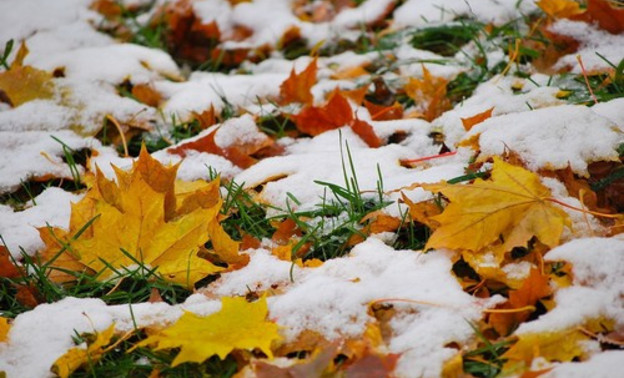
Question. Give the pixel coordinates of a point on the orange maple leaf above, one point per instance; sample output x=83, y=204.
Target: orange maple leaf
x=314, y=120
x=560, y=8
x=297, y=88
x=607, y=14
x=534, y=287
x=469, y=122
x=429, y=93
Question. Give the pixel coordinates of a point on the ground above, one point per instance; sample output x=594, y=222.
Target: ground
x=293, y=188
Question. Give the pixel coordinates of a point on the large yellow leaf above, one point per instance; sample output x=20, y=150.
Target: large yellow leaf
x=512, y=205
x=238, y=325
x=76, y=357
x=143, y=218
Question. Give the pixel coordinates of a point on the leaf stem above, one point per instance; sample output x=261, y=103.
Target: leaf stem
x=596, y=213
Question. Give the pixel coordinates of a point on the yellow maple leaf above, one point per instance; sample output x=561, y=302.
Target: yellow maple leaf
x=142, y=218
x=560, y=8
x=512, y=205
x=238, y=325
x=21, y=83
x=561, y=346
x=76, y=357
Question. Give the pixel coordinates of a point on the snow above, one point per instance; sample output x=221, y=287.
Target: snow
x=529, y=117
x=592, y=43
x=18, y=229
x=597, y=265
x=551, y=138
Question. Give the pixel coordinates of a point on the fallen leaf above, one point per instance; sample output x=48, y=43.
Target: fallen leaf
x=511, y=206
x=384, y=113
x=21, y=83
x=373, y=365
x=206, y=118
x=606, y=13
x=4, y=329
x=560, y=8
x=139, y=219
x=238, y=325
x=316, y=120
x=429, y=94
x=77, y=357
x=349, y=73
x=561, y=346
x=366, y=132
x=423, y=212
x=146, y=94
x=476, y=119
x=297, y=88
x=313, y=366
x=7, y=268
x=534, y=287
x=356, y=95
x=239, y=152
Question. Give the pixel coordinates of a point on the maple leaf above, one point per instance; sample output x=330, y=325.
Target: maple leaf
x=146, y=94
x=77, y=357
x=366, y=132
x=142, y=218
x=560, y=8
x=606, y=14
x=239, y=153
x=561, y=346
x=316, y=120
x=513, y=205
x=21, y=83
x=238, y=325
x=429, y=93
x=384, y=113
x=469, y=122
x=534, y=287
x=297, y=87
x=7, y=268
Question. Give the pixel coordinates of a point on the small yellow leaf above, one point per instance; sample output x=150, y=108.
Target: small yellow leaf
x=4, y=329
x=560, y=8
x=511, y=206
x=238, y=325
x=76, y=357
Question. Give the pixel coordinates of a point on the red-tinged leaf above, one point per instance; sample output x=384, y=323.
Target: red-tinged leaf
x=27, y=296
x=365, y=131
x=297, y=88
x=373, y=365
x=608, y=16
x=207, y=144
x=7, y=268
x=316, y=120
x=476, y=119
x=384, y=113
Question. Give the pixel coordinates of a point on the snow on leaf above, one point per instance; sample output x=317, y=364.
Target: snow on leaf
x=512, y=205
x=297, y=88
x=142, y=219
x=429, y=93
x=238, y=325
x=76, y=357
x=314, y=120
